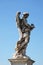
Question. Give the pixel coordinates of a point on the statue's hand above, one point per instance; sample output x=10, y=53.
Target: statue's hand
x=32, y=25
x=18, y=13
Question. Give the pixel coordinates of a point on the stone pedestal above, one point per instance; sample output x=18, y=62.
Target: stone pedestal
x=21, y=61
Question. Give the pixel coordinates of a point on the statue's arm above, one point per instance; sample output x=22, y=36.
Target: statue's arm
x=29, y=26
x=18, y=16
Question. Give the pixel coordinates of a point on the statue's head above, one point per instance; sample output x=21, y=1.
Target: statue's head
x=25, y=14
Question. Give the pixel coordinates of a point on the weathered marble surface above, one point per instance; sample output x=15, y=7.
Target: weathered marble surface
x=21, y=61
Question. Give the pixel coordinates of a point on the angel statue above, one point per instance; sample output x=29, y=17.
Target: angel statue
x=24, y=31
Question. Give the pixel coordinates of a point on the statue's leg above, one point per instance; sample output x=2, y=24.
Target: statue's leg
x=20, y=33
x=27, y=37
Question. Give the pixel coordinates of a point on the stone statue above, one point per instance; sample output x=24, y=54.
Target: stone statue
x=24, y=30
x=20, y=57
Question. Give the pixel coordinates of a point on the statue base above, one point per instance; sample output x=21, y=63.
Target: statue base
x=23, y=60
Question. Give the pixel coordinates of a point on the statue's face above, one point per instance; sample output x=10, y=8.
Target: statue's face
x=25, y=15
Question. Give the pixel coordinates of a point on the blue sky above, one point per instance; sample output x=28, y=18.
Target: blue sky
x=9, y=33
